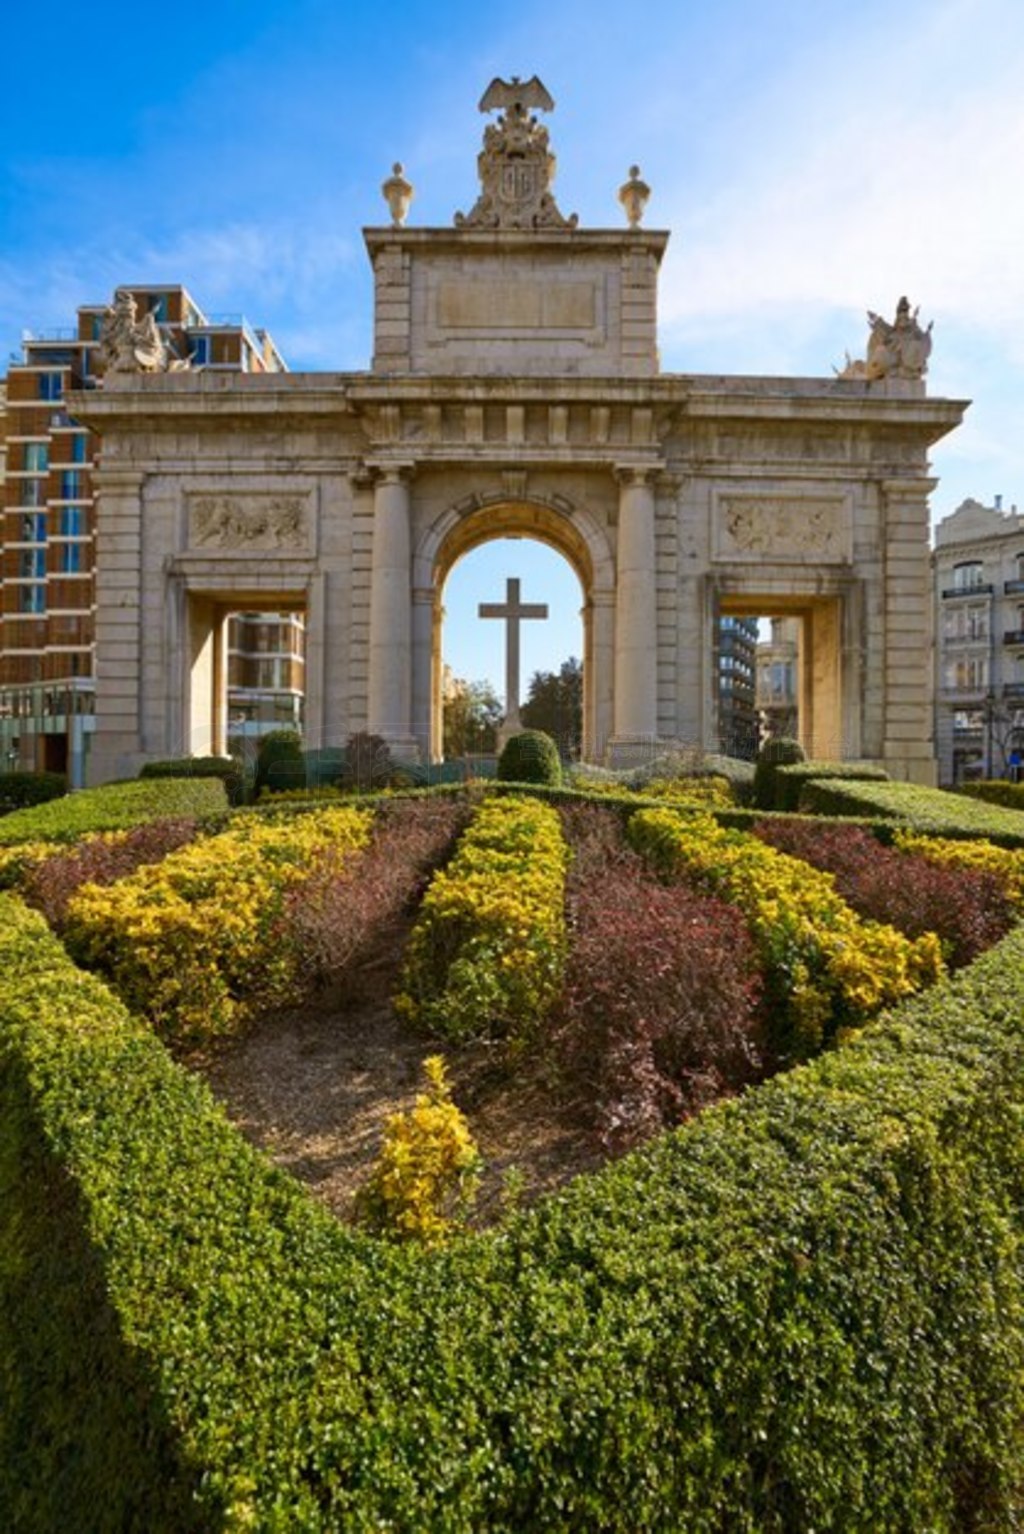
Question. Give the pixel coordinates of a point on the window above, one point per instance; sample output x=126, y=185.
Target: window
x=158, y=308
x=72, y=521
x=32, y=563
x=70, y=485
x=200, y=351
x=51, y=385
x=32, y=599
x=33, y=527
x=77, y=445
x=967, y=675
x=33, y=492
x=969, y=575
x=71, y=559
x=977, y=623
x=37, y=457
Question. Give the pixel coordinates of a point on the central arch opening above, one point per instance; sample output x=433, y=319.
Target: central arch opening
x=548, y=556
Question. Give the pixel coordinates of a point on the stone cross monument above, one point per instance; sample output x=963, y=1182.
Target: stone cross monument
x=513, y=611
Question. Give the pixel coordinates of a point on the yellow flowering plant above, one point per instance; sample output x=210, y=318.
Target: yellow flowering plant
x=487, y=953
x=189, y=942
x=426, y=1178
x=825, y=968
x=1006, y=863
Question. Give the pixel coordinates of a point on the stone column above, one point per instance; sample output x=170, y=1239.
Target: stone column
x=636, y=647
x=908, y=730
x=390, y=671
x=117, y=749
x=423, y=668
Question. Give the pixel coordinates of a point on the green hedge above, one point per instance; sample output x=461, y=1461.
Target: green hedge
x=993, y=791
x=933, y=811
x=114, y=807
x=227, y=768
x=803, y=1310
x=788, y=782
x=21, y=789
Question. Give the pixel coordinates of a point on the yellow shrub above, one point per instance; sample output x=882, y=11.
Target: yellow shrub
x=428, y=1171
x=488, y=949
x=1006, y=863
x=828, y=969
x=189, y=942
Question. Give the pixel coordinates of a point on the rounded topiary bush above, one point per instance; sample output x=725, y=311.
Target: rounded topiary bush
x=530, y=757
x=777, y=751
x=280, y=764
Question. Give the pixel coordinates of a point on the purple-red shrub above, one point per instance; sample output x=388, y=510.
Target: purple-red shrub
x=966, y=908
x=50, y=885
x=348, y=908
x=660, y=1009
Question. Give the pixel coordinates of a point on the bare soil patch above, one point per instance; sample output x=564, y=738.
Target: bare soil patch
x=313, y=1085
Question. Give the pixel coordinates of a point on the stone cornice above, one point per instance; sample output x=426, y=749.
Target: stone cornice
x=447, y=418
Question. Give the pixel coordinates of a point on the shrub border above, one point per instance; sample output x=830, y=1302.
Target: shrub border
x=805, y=1309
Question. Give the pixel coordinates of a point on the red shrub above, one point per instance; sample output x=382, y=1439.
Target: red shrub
x=349, y=907
x=50, y=885
x=660, y=1006
x=965, y=907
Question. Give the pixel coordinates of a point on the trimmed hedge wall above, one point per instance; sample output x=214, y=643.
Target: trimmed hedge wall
x=18, y=790
x=803, y=1310
x=993, y=791
x=114, y=807
x=934, y=811
x=227, y=768
x=788, y=782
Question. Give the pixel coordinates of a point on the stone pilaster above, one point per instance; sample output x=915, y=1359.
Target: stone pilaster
x=390, y=675
x=116, y=749
x=636, y=647
x=908, y=746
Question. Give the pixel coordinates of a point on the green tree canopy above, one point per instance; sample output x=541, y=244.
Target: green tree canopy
x=472, y=714
x=555, y=705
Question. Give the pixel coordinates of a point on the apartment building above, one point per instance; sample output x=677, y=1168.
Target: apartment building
x=737, y=713
x=778, y=663
x=978, y=565
x=47, y=537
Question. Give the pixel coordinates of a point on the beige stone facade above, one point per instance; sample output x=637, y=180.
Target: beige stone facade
x=979, y=599
x=515, y=389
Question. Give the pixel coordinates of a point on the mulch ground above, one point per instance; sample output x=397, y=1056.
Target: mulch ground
x=313, y=1085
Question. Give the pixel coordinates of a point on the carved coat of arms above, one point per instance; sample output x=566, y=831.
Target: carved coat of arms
x=516, y=165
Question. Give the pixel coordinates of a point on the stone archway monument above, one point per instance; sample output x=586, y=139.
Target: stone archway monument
x=515, y=388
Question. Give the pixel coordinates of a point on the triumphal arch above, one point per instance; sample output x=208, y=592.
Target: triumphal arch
x=515, y=389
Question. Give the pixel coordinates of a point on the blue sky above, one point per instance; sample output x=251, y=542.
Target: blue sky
x=813, y=159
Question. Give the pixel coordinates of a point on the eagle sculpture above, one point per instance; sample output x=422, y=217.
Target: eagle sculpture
x=501, y=94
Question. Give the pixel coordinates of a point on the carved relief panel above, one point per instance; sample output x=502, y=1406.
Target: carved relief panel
x=249, y=522
x=800, y=528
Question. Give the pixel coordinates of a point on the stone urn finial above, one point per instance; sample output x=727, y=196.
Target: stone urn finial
x=398, y=194
x=633, y=195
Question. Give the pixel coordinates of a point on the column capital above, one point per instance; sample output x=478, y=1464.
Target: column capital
x=909, y=489
x=641, y=474
x=389, y=471
x=117, y=480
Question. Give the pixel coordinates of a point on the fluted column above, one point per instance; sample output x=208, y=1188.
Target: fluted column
x=390, y=672
x=636, y=648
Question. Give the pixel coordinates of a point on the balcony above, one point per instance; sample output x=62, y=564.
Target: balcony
x=1013, y=588
x=1013, y=636
x=1013, y=689
x=981, y=589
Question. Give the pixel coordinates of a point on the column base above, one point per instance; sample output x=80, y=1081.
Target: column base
x=632, y=750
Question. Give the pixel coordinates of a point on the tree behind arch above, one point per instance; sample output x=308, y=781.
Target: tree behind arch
x=555, y=705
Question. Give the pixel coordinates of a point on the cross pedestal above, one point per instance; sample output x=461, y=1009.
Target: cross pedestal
x=513, y=611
